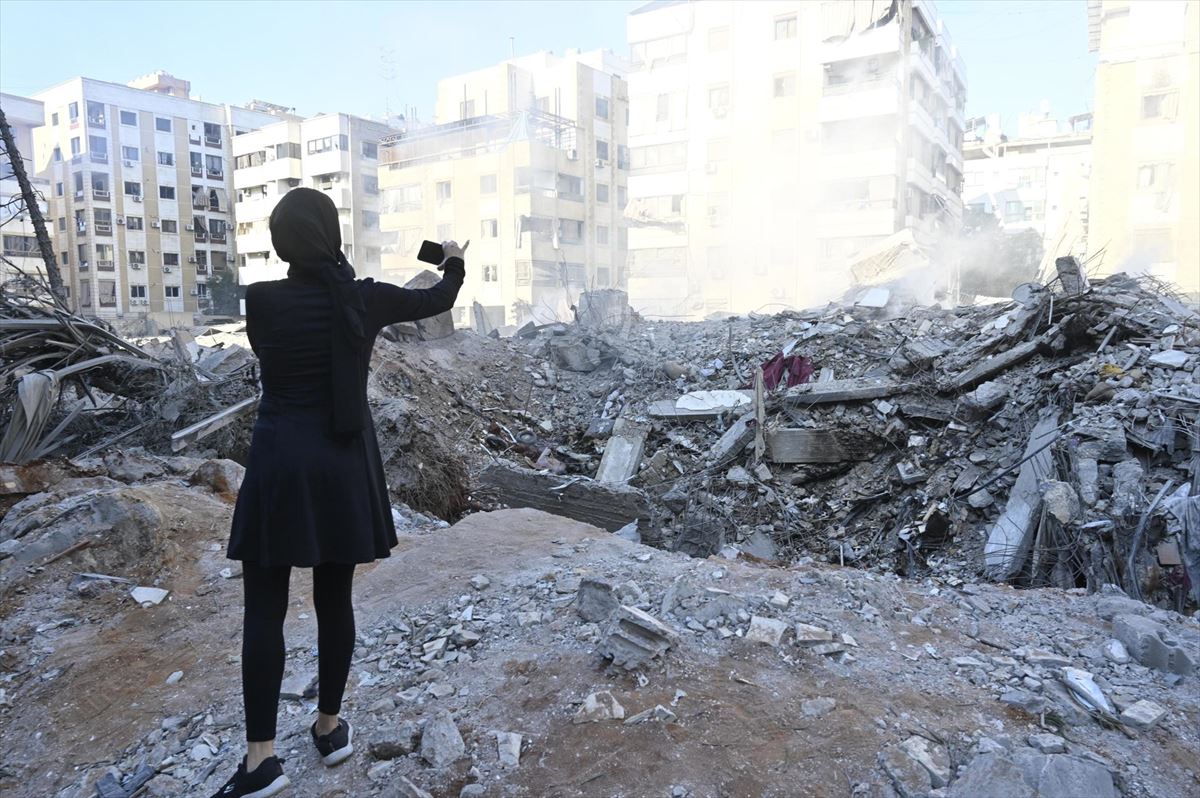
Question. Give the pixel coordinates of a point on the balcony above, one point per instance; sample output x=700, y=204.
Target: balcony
x=878, y=41
x=201, y=235
x=197, y=171
x=98, y=156
x=215, y=174
x=212, y=141
x=103, y=229
x=216, y=238
x=339, y=195
x=860, y=100
x=268, y=172
x=101, y=194
x=104, y=265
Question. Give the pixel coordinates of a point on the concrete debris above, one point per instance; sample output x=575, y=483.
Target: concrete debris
x=656, y=713
x=1143, y=714
x=148, y=596
x=636, y=637
x=817, y=707
x=508, y=745
x=1026, y=772
x=595, y=601
x=1151, y=645
x=598, y=707
x=766, y=630
x=441, y=743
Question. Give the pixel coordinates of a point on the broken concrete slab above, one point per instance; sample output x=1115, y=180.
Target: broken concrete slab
x=600, y=706
x=1026, y=773
x=1011, y=537
x=1170, y=358
x=610, y=507
x=604, y=308
x=849, y=390
x=1143, y=715
x=595, y=600
x=1148, y=642
x=733, y=440
x=441, y=742
x=768, y=631
x=794, y=445
x=636, y=637
x=622, y=452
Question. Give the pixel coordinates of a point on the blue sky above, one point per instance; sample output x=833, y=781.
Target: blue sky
x=335, y=56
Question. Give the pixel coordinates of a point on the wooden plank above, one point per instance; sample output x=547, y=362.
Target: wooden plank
x=606, y=506
x=201, y=429
x=1011, y=537
x=622, y=453
x=791, y=445
x=850, y=390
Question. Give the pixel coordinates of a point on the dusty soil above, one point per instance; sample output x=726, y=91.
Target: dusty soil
x=93, y=693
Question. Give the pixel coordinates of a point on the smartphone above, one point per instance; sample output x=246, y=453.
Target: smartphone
x=431, y=252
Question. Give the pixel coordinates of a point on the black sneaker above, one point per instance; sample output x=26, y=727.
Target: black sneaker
x=266, y=780
x=336, y=746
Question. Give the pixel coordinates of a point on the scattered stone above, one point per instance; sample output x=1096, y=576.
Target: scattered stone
x=148, y=596
x=600, y=706
x=932, y=757
x=1060, y=500
x=779, y=600
x=1147, y=642
x=1037, y=656
x=480, y=582
x=384, y=704
x=817, y=707
x=1048, y=743
x=1115, y=650
x=766, y=630
x=406, y=789
x=402, y=742
x=807, y=635
x=657, y=712
x=508, y=745
x=907, y=775
x=635, y=637
x=1171, y=358
x=441, y=743
x=472, y=791
x=1143, y=715
x=1028, y=774
x=175, y=677
x=223, y=477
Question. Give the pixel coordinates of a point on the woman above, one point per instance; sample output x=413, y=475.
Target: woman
x=314, y=495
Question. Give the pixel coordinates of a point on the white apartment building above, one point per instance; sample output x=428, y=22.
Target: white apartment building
x=528, y=162
x=334, y=153
x=1037, y=181
x=140, y=205
x=20, y=246
x=771, y=141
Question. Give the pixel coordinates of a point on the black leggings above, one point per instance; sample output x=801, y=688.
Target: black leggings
x=263, y=651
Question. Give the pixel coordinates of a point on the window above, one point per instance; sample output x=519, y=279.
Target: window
x=20, y=245
x=95, y=112
x=602, y=149
x=622, y=197
x=64, y=257
x=601, y=235
x=201, y=261
x=490, y=228
x=171, y=291
x=718, y=39
x=170, y=226
x=78, y=185
x=370, y=220
x=212, y=134
x=57, y=155
x=602, y=192
x=137, y=292
x=73, y=111
x=718, y=100
x=133, y=188
x=129, y=118
x=657, y=52
x=658, y=156
x=104, y=257
x=1160, y=106
x=216, y=230
x=202, y=290
x=327, y=144
x=166, y=192
x=54, y=118
x=570, y=231
x=85, y=255
x=1155, y=177
x=98, y=148
x=466, y=109
x=166, y=159
x=785, y=27
x=785, y=85
x=445, y=232
x=370, y=149
x=370, y=184
x=444, y=191
x=58, y=189
x=133, y=223
x=487, y=184
x=1014, y=211
x=196, y=162
x=491, y=273
x=569, y=187
x=170, y=258
x=85, y=293
x=214, y=165
x=162, y=124
x=402, y=198
x=137, y=257
x=62, y=224
x=602, y=107
x=130, y=154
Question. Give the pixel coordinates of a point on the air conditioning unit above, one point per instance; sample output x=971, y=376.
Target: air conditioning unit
x=127, y=163
x=137, y=267
x=166, y=269
x=191, y=258
x=189, y=227
x=599, y=163
x=154, y=225
x=78, y=195
x=121, y=220
x=137, y=197
x=193, y=292
x=572, y=154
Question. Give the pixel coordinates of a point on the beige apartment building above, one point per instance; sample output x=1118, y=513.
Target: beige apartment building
x=1037, y=180
x=141, y=180
x=20, y=248
x=528, y=162
x=1145, y=187
x=772, y=141
x=334, y=153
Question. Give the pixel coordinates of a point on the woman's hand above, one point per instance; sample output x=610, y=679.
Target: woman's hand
x=451, y=249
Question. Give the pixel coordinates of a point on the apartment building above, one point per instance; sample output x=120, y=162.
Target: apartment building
x=1037, y=180
x=141, y=180
x=772, y=141
x=334, y=153
x=1145, y=184
x=528, y=162
x=20, y=248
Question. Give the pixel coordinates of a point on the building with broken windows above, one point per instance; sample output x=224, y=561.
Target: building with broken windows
x=1037, y=180
x=528, y=163
x=21, y=254
x=334, y=153
x=774, y=142
x=1145, y=185
x=141, y=180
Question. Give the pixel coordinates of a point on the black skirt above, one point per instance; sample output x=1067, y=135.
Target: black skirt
x=308, y=497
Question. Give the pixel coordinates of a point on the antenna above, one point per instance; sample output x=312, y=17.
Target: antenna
x=512, y=46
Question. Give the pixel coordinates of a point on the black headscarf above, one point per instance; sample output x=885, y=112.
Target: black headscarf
x=306, y=233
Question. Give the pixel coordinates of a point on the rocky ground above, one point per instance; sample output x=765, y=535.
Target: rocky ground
x=477, y=672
